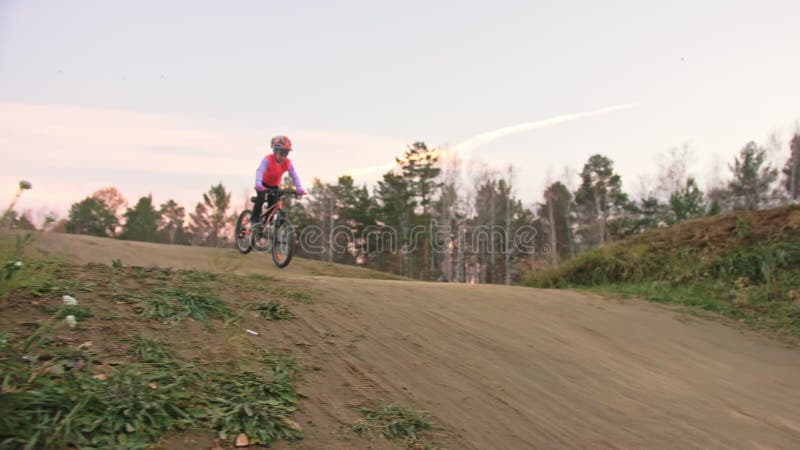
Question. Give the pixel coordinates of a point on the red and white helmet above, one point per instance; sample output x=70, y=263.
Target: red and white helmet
x=281, y=143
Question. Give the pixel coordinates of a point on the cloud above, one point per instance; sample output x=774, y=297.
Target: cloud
x=67, y=149
x=484, y=138
x=489, y=136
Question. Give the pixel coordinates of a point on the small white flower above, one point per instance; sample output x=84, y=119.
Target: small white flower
x=69, y=300
x=18, y=264
x=71, y=322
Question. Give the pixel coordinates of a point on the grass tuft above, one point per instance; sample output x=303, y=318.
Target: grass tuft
x=172, y=305
x=393, y=422
x=146, y=350
x=272, y=310
x=135, y=405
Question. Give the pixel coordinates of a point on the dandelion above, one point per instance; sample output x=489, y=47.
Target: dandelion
x=69, y=300
x=9, y=269
x=23, y=185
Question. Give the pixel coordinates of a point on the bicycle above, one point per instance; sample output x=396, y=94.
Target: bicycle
x=273, y=232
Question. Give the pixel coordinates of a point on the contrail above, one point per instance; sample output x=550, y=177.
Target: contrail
x=483, y=138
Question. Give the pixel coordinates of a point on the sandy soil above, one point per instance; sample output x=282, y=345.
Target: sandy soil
x=509, y=367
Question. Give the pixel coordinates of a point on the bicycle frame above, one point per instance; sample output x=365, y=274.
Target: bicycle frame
x=270, y=212
x=262, y=237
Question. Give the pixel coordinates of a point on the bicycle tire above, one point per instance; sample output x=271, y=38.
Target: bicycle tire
x=283, y=245
x=259, y=241
x=242, y=239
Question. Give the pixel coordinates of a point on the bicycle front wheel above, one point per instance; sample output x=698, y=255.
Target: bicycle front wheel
x=283, y=244
x=242, y=238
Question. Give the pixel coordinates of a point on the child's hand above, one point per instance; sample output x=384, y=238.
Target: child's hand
x=301, y=192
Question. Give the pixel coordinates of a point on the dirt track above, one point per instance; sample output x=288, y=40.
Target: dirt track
x=507, y=367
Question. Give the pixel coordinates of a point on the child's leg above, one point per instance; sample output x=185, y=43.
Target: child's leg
x=271, y=198
x=259, y=203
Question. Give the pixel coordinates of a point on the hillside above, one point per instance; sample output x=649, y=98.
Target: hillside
x=744, y=265
x=490, y=366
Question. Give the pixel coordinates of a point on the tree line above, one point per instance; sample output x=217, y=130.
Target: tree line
x=433, y=219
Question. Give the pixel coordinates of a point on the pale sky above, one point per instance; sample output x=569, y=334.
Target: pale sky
x=170, y=97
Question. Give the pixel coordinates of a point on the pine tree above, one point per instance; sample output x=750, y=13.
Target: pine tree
x=91, y=216
x=752, y=178
x=599, y=198
x=395, y=212
x=141, y=221
x=355, y=212
x=557, y=211
x=686, y=203
x=210, y=220
x=171, y=223
x=420, y=168
x=791, y=170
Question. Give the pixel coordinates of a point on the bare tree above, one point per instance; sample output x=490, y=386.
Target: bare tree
x=114, y=201
x=673, y=170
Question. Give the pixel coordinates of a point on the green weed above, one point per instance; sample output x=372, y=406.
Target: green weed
x=393, y=422
x=135, y=405
x=172, y=305
x=80, y=312
x=272, y=310
x=146, y=350
x=254, y=404
x=195, y=276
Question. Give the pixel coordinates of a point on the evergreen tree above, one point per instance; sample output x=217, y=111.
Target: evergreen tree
x=91, y=216
x=141, y=221
x=323, y=212
x=171, y=226
x=752, y=178
x=791, y=170
x=557, y=210
x=355, y=212
x=420, y=169
x=17, y=221
x=210, y=220
x=599, y=199
x=395, y=211
x=686, y=203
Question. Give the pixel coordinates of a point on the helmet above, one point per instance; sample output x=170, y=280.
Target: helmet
x=281, y=143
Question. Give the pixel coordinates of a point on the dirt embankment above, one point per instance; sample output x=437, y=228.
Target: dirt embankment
x=509, y=367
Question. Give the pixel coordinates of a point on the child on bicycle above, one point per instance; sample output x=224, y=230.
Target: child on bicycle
x=269, y=175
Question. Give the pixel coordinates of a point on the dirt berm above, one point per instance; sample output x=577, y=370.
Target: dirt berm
x=510, y=367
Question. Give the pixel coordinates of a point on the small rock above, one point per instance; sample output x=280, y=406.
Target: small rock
x=242, y=440
x=71, y=321
x=69, y=300
x=86, y=344
x=152, y=385
x=100, y=377
x=292, y=424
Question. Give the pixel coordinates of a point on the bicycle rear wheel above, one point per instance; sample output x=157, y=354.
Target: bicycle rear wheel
x=242, y=237
x=283, y=244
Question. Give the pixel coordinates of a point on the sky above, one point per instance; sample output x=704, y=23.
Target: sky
x=170, y=98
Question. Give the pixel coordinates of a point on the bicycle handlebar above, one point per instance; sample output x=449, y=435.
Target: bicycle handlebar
x=281, y=191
